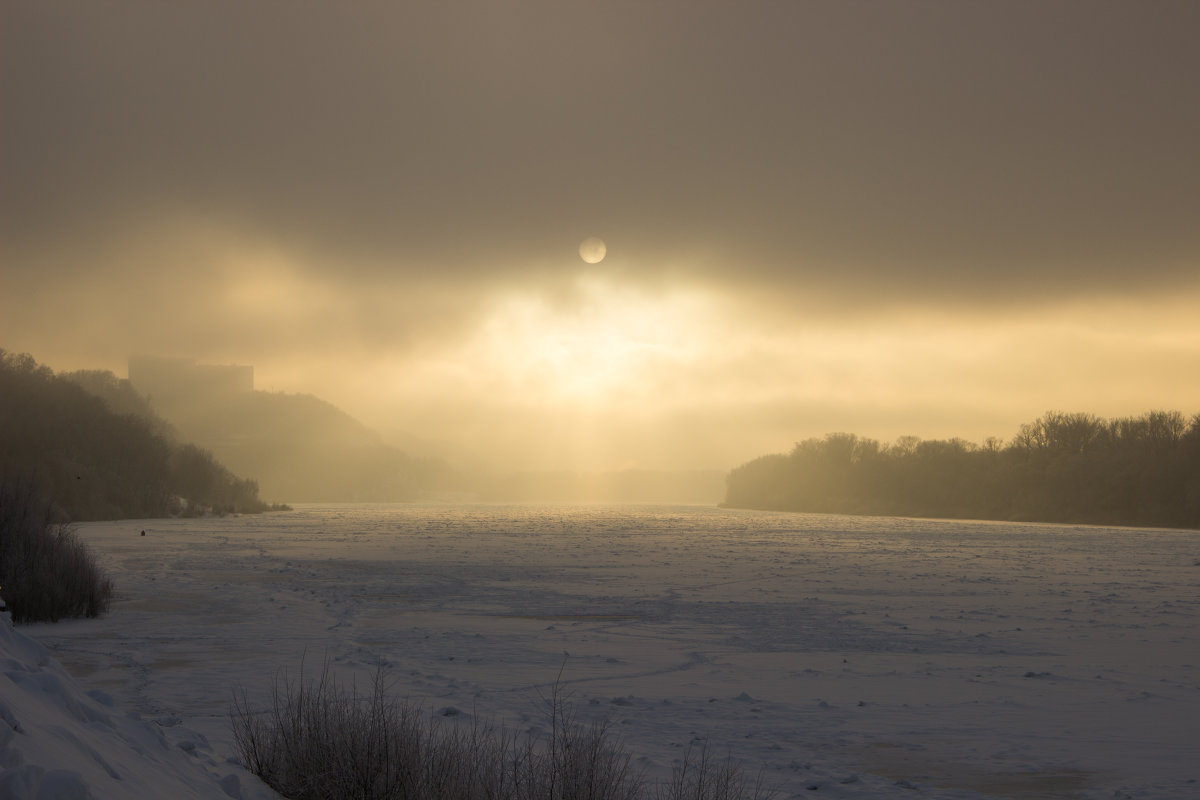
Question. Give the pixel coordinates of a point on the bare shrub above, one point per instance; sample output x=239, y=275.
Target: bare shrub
x=701, y=776
x=319, y=739
x=46, y=572
x=577, y=760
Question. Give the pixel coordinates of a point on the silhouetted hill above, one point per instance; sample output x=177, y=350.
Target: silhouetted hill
x=121, y=398
x=96, y=463
x=300, y=447
x=1061, y=468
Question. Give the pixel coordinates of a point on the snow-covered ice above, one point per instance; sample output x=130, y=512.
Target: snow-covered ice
x=846, y=657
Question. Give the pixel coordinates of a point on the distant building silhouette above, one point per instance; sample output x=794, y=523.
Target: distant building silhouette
x=171, y=380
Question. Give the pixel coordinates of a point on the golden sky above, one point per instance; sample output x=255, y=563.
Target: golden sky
x=926, y=218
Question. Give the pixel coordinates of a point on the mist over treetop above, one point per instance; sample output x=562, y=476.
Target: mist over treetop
x=91, y=461
x=1063, y=467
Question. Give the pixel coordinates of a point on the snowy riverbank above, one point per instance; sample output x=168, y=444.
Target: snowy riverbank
x=847, y=657
x=58, y=742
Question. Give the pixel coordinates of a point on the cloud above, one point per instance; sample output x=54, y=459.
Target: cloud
x=814, y=211
x=897, y=149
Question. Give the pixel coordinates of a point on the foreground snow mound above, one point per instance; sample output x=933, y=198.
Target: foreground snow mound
x=59, y=743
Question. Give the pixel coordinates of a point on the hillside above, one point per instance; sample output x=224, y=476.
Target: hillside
x=301, y=448
x=97, y=463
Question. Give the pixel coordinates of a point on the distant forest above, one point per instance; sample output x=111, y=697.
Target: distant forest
x=90, y=445
x=1061, y=468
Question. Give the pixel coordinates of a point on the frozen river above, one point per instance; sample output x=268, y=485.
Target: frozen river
x=845, y=656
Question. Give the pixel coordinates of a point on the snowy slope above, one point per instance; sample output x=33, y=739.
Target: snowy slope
x=59, y=743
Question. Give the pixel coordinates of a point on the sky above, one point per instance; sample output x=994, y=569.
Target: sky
x=889, y=218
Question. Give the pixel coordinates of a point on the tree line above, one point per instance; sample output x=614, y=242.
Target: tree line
x=104, y=458
x=1063, y=467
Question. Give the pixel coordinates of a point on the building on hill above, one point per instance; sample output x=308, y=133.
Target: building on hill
x=168, y=381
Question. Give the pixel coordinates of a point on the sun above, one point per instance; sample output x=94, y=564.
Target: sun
x=592, y=250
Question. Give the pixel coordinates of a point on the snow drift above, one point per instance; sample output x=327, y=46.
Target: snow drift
x=58, y=742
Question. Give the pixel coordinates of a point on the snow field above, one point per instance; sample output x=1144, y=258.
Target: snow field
x=845, y=657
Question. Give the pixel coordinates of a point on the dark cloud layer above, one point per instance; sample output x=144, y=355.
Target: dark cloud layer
x=938, y=218
x=967, y=148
